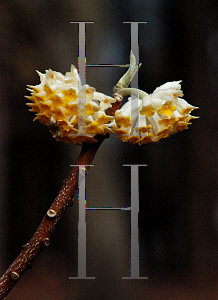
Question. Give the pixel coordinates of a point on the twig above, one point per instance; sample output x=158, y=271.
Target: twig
x=41, y=238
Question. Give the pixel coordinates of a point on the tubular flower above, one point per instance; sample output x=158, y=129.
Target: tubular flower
x=150, y=118
x=73, y=113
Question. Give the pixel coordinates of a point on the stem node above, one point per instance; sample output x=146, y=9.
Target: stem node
x=51, y=213
x=15, y=276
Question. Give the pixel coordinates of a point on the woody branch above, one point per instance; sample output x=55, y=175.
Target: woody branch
x=62, y=202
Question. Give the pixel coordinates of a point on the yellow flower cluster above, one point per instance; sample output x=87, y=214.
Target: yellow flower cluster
x=74, y=113
x=155, y=116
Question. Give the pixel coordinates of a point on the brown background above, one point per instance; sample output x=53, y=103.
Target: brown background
x=178, y=220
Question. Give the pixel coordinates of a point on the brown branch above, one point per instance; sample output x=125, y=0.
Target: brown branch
x=41, y=238
x=42, y=235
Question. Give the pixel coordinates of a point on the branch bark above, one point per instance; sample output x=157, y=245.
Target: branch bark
x=41, y=238
x=64, y=200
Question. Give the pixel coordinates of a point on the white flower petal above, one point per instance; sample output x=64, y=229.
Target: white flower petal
x=169, y=85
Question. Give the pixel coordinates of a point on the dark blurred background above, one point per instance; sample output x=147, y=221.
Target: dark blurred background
x=178, y=219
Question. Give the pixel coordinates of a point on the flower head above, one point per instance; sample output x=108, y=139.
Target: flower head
x=76, y=113
x=58, y=102
x=159, y=114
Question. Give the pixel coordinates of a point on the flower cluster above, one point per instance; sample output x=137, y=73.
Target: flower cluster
x=74, y=113
x=149, y=118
